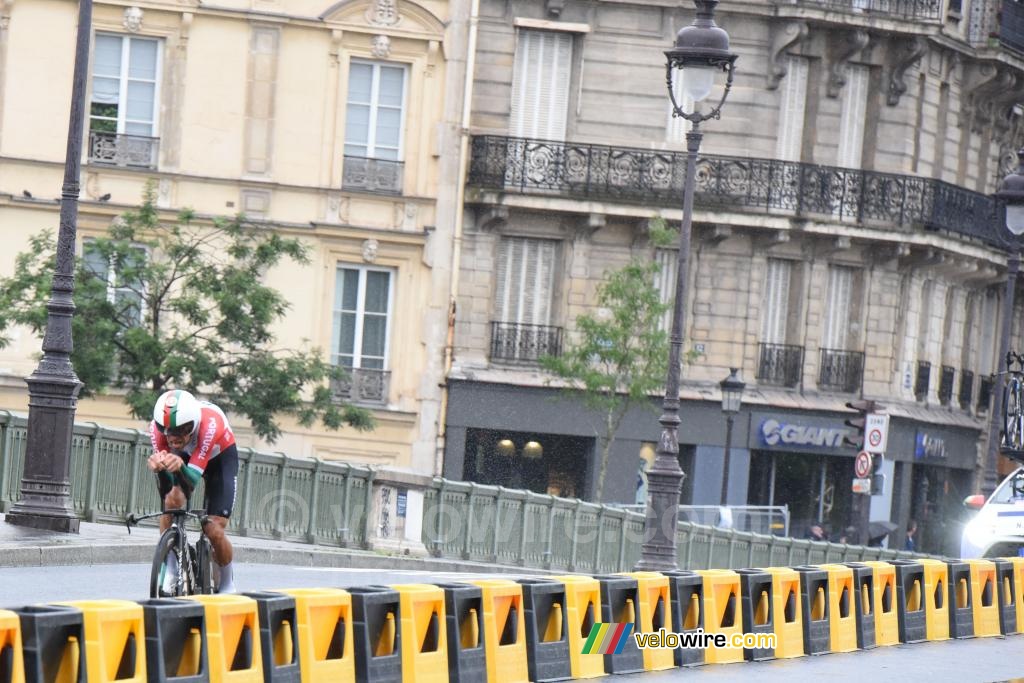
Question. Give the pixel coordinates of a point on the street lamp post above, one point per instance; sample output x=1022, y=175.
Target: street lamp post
x=1011, y=193
x=701, y=49
x=53, y=388
x=732, y=398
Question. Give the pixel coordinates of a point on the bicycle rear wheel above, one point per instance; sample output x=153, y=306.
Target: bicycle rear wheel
x=204, y=566
x=166, y=546
x=1012, y=418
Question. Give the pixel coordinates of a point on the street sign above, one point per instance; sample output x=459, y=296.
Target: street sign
x=862, y=485
x=876, y=433
x=862, y=465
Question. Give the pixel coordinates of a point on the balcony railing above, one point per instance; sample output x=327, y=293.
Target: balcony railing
x=1011, y=25
x=966, y=389
x=516, y=343
x=363, y=385
x=129, y=151
x=780, y=364
x=923, y=380
x=841, y=370
x=946, y=378
x=906, y=9
x=985, y=393
x=362, y=174
x=624, y=174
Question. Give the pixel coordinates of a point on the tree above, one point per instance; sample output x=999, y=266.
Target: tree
x=619, y=357
x=182, y=305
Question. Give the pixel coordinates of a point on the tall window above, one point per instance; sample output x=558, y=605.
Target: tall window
x=525, y=280
x=540, y=85
x=851, y=122
x=362, y=315
x=375, y=111
x=678, y=127
x=838, y=308
x=125, y=85
x=775, y=303
x=125, y=287
x=665, y=282
x=793, y=94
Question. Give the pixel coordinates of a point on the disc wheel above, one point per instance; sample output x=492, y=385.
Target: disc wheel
x=167, y=545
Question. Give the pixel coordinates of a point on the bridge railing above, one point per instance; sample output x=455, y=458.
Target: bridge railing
x=339, y=504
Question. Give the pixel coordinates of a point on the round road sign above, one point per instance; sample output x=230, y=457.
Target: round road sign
x=862, y=464
x=875, y=437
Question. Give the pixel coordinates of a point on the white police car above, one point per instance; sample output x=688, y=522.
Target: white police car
x=998, y=528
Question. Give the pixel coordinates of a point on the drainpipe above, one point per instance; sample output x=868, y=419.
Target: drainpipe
x=456, y=260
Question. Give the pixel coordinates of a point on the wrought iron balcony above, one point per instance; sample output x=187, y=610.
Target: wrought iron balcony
x=516, y=343
x=966, y=389
x=985, y=393
x=841, y=370
x=363, y=174
x=652, y=177
x=363, y=385
x=946, y=378
x=129, y=151
x=904, y=9
x=923, y=380
x=780, y=364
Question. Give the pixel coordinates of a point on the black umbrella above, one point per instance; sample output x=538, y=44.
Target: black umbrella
x=877, y=531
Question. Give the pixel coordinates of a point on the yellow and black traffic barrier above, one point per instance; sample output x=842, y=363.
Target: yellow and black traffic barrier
x=279, y=637
x=115, y=639
x=504, y=631
x=722, y=612
x=985, y=598
x=887, y=625
x=789, y=619
x=53, y=643
x=910, y=600
x=842, y=597
x=654, y=596
x=547, y=638
x=756, y=598
x=12, y=661
x=424, y=636
x=1007, y=597
x=864, y=603
x=936, y=598
x=686, y=590
x=1018, y=582
x=232, y=638
x=175, y=641
x=377, y=634
x=815, y=609
x=620, y=598
x=961, y=601
x=323, y=619
x=464, y=625
x=582, y=611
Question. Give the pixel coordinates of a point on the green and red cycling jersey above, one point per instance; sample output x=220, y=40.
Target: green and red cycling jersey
x=210, y=439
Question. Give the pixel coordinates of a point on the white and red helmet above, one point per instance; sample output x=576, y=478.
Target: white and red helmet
x=176, y=411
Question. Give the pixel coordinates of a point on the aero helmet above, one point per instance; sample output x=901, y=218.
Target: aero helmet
x=177, y=411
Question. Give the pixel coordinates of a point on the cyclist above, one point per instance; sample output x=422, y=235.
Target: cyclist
x=192, y=440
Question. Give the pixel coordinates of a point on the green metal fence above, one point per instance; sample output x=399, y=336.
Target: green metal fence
x=329, y=503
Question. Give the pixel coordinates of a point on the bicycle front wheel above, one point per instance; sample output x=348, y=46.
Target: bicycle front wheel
x=166, y=547
x=204, y=566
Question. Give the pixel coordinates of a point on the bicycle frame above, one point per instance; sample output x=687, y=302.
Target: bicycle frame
x=188, y=576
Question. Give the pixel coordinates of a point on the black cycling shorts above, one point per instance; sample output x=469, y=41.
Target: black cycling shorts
x=221, y=477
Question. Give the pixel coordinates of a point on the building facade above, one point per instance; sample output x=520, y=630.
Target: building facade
x=845, y=245
x=333, y=123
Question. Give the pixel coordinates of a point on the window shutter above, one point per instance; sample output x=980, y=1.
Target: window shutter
x=775, y=312
x=678, y=127
x=665, y=281
x=540, y=85
x=851, y=123
x=986, y=355
x=837, y=308
x=791, y=112
x=524, y=281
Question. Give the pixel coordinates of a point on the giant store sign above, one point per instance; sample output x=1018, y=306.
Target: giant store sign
x=774, y=433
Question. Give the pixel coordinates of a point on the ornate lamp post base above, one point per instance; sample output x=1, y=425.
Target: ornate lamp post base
x=659, y=549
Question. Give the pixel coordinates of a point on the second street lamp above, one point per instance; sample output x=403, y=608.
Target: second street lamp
x=701, y=51
x=732, y=398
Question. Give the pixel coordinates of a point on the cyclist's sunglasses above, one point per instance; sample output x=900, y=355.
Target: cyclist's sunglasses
x=179, y=431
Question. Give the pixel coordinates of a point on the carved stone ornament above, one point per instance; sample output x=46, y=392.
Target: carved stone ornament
x=381, y=47
x=783, y=40
x=383, y=13
x=132, y=19
x=370, y=248
x=850, y=43
x=905, y=53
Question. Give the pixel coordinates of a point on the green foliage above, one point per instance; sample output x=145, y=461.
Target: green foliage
x=185, y=308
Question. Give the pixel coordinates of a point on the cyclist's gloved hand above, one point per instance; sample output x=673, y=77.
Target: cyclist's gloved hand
x=172, y=463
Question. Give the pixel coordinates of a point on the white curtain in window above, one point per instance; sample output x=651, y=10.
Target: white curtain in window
x=851, y=122
x=775, y=302
x=665, y=281
x=525, y=282
x=540, y=85
x=837, y=308
x=793, y=94
x=678, y=127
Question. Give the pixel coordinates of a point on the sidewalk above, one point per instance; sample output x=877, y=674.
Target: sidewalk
x=112, y=544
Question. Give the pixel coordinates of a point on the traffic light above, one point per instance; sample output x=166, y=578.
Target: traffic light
x=856, y=440
x=877, y=477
